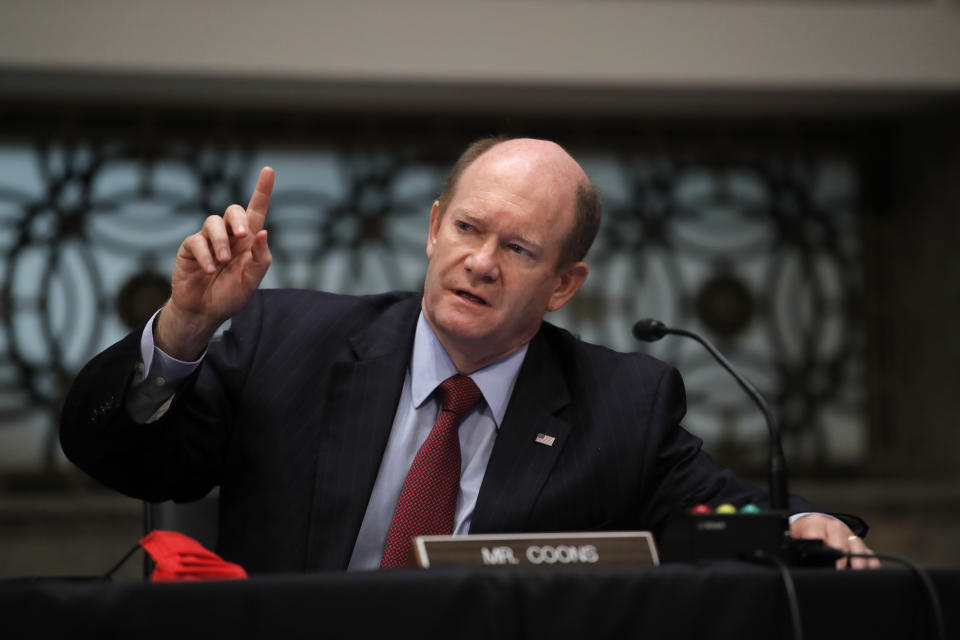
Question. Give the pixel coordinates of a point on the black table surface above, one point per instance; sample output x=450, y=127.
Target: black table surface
x=721, y=600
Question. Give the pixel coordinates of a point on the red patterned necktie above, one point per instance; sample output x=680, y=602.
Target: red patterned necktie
x=429, y=495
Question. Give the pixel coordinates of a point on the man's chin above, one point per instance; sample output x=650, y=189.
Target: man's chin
x=465, y=333
x=463, y=318
x=462, y=328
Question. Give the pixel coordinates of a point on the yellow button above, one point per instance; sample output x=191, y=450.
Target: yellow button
x=726, y=508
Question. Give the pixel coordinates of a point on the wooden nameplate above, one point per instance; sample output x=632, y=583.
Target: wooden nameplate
x=595, y=550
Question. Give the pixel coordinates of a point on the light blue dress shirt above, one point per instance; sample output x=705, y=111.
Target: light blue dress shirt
x=416, y=413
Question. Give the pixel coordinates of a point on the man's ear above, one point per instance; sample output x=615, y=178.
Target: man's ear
x=434, y=228
x=569, y=280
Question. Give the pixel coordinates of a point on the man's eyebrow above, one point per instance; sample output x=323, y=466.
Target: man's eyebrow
x=468, y=216
x=529, y=243
x=533, y=244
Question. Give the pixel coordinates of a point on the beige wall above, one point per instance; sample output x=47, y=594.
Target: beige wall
x=903, y=45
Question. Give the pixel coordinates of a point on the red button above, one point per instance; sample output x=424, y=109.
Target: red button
x=701, y=508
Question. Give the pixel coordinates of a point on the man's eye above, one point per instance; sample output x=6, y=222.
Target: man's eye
x=463, y=226
x=516, y=248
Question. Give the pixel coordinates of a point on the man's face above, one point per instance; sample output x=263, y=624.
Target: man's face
x=494, y=256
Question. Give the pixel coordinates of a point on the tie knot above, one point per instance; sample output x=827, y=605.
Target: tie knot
x=458, y=394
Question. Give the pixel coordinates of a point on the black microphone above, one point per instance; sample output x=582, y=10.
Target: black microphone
x=650, y=330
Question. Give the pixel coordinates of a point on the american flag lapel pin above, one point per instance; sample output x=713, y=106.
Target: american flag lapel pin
x=543, y=438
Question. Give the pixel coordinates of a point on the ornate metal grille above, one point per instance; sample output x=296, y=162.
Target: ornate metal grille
x=762, y=255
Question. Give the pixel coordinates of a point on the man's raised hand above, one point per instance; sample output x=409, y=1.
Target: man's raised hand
x=216, y=272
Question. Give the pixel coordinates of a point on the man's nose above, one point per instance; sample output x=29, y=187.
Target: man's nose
x=482, y=261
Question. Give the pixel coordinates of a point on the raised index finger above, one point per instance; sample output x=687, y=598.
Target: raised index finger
x=260, y=200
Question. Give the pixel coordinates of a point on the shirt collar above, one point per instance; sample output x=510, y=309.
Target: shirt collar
x=431, y=365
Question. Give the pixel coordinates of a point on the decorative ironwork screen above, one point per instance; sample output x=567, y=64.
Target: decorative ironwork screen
x=761, y=254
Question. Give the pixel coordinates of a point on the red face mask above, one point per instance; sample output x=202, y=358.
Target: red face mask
x=179, y=557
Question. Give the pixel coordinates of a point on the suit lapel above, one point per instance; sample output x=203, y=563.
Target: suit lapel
x=519, y=465
x=361, y=403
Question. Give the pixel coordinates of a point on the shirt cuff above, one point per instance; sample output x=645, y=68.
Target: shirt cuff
x=796, y=516
x=157, y=365
x=155, y=382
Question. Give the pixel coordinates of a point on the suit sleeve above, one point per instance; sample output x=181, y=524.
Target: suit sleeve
x=180, y=456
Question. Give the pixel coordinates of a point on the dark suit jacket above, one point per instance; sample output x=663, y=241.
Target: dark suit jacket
x=291, y=410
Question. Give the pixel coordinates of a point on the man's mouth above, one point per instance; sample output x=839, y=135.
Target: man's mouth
x=469, y=296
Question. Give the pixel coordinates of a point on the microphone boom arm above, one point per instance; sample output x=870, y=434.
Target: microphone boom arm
x=651, y=330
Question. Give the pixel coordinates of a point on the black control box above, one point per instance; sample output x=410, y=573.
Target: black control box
x=735, y=536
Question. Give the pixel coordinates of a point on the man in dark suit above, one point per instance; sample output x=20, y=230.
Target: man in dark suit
x=312, y=410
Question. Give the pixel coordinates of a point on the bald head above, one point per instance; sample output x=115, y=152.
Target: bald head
x=560, y=177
